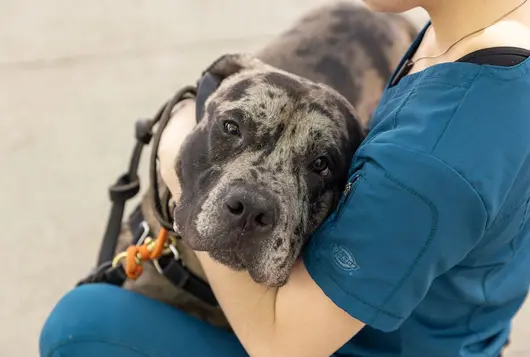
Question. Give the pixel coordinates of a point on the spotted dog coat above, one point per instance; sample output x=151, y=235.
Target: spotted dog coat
x=340, y=45
x=345, y=46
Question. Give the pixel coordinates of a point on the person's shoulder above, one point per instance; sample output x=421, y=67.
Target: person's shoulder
x=460, y=108
x=486, y=140
x=479, y=130
x=491, y=117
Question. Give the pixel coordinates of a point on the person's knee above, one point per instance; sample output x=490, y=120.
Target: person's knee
x=104, y=320
x=85, y=318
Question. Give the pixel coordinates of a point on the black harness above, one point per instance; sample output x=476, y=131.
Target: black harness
x=128, y=185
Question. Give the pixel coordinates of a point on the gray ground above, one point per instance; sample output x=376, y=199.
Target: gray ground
x=73, y=78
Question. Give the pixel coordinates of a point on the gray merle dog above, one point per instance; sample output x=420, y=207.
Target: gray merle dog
x=269, y=159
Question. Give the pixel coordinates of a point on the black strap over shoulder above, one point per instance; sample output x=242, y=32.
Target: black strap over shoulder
x=497, y=56
x=493, y=56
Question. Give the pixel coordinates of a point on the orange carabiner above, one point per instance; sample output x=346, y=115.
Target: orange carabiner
x=149, y=250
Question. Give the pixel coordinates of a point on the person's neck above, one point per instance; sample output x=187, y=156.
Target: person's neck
x=453, y=19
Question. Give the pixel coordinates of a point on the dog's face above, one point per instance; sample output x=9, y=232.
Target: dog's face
x=264, y=167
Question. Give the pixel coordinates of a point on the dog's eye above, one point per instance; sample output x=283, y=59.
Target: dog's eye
x=321, y=166
x=231, y=128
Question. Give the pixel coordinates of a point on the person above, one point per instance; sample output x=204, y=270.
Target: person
x=430, y=253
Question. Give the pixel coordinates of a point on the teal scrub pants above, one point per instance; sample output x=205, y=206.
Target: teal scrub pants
x=101, y=320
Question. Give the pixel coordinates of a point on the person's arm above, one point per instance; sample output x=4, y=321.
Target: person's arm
x=297, y=319
x=407, y=219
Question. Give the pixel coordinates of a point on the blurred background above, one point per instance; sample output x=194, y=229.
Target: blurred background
x=74, y=76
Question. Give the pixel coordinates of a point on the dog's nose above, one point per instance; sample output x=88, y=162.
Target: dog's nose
x=250, y=210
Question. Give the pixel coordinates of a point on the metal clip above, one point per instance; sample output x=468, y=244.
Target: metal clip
x=176, y=255
x=145, y=233
x=118, y=258
x=123, y=255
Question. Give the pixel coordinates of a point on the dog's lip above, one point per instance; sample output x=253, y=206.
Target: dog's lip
x=200, y=242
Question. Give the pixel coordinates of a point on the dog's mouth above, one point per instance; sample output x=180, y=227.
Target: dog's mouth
x=264, y=251
x=258, y=257
x=261, y=268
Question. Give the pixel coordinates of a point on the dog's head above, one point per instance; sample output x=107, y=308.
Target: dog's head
x=264, y=167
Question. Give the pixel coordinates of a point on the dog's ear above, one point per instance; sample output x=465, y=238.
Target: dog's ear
x=222, y=68
x=205, y=87
x=230, y=64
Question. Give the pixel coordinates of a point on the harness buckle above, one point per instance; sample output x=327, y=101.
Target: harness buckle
x=171, y=249
x=145, y=233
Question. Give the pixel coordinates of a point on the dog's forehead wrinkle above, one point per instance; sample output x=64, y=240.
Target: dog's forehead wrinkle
x=315, y=133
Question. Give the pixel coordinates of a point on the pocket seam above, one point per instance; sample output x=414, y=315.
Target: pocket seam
x=330, y=224
x=356, y=182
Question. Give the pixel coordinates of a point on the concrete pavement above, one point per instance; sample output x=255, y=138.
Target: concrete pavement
x=73, y=78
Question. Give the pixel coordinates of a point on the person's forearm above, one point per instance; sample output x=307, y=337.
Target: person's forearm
x=249, y=307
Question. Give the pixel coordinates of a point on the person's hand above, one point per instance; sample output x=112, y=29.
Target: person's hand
x=180, y=125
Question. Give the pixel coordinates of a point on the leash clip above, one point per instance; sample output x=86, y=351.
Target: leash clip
x=145, y=233
x=147, y=249
x=176, y=256
x=143, y=237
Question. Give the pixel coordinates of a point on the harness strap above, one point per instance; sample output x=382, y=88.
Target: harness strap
x=106, y=273
x=127, y=186
x=181, y=277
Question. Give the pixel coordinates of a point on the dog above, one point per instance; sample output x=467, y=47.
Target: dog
x=269, y=159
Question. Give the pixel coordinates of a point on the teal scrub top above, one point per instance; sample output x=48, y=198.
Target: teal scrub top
x=430, y=243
